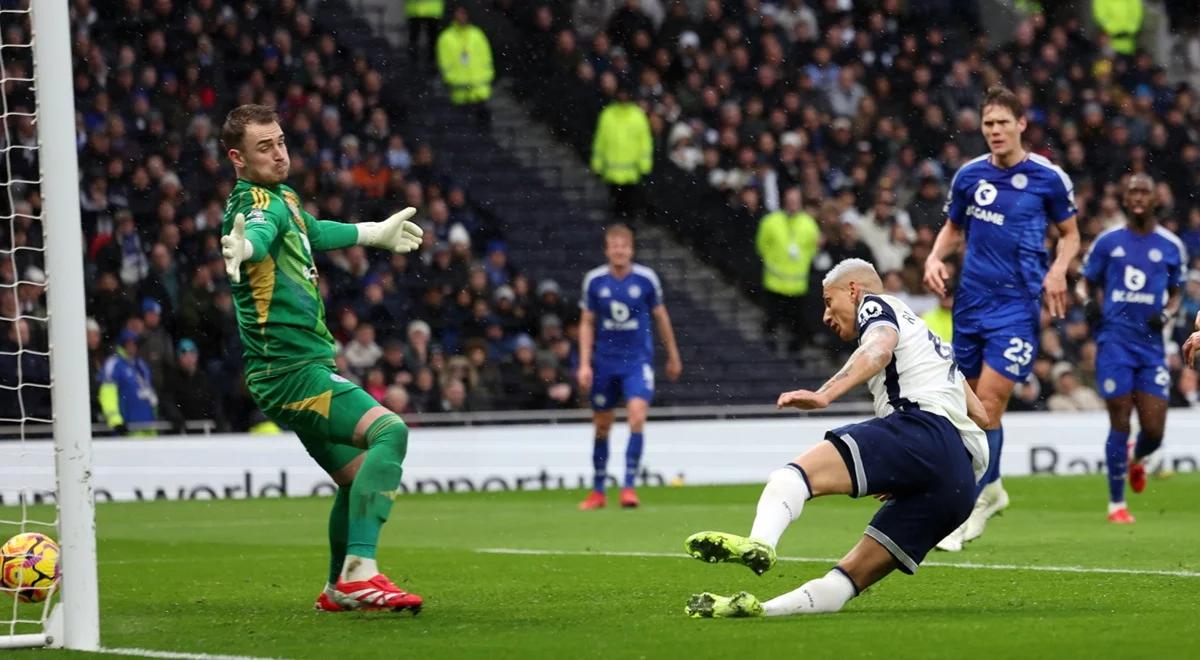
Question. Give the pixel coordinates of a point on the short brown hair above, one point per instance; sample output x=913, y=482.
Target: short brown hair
x=619, y=229
x=1005, y=98
x=242, y=116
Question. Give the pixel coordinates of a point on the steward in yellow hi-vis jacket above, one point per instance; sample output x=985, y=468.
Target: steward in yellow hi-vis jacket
x=622, y=151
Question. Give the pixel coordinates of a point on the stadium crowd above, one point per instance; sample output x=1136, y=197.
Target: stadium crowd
x=454, y=327
x=867, y=109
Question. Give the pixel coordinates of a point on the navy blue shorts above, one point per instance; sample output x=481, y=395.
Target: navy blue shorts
x=920, y=460
x=609, y=383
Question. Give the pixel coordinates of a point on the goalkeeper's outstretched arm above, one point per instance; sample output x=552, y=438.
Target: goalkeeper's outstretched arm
x=396, y=233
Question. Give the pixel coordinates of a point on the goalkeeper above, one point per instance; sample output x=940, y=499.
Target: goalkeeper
x=267, y=242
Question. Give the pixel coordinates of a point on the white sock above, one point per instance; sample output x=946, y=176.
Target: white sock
x=356, y=569
x=1116, y=506
x=781, y=502
x=826, y=594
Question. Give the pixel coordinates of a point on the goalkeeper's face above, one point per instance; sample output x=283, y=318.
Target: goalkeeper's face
x=263, y=158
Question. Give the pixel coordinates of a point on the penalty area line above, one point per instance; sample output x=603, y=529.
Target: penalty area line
x=175, y=655
x=820, y=560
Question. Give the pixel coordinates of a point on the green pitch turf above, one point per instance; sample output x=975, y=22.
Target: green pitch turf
x=239, y=577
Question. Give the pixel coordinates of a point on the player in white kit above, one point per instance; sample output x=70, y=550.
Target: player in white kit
x=923, y=455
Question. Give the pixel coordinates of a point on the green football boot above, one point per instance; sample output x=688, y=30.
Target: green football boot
x=712, y=606
x=713, y=547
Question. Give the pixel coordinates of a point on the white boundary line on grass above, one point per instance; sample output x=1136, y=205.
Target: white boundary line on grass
x=176, y=655
x=937, y=564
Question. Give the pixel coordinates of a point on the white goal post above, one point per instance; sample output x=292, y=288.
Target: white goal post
x=75, y=620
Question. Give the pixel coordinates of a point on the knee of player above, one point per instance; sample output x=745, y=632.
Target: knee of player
x=388, y=429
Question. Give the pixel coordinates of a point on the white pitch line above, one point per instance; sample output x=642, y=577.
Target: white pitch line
x=176, y=655
x=938, y=564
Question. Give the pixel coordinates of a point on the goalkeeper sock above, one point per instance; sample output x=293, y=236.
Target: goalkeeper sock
x=339, y=528
x=1116, y=455
x=599, y=463
x=825, y=594
x=633, y=458
x=781, y=502
x=375, y=486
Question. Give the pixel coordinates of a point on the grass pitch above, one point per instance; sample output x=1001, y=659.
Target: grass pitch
x=525, y=575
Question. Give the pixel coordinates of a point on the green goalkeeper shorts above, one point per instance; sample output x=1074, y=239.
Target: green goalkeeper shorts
x=319, y=405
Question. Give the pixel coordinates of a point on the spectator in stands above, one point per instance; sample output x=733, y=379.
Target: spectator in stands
x=622, y=152
x=1120, y=20
x=396, y=400
x=423, y=19
x=156, y=347
x=787, y=241
x=127, y=393
x=465, y=58
x=1069, y=394
x=24, y=373
x=940, y=318
x=363, y=352
x=887, y=231
x=189, y=394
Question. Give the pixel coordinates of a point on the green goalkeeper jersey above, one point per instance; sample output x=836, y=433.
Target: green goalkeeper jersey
x=280, y=314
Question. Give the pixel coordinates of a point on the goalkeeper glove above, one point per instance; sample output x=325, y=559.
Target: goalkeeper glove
x=236, y=248
x=396, y=233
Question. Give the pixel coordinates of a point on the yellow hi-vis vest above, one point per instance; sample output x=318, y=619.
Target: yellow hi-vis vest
x=465, y=58
x=622, y=149
x=424, y=8
x=1120, y=20
x=787, y=244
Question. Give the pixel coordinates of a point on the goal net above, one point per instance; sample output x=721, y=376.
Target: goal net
x=45, y=437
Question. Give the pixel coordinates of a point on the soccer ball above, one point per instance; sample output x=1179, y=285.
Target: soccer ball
x=29, y=566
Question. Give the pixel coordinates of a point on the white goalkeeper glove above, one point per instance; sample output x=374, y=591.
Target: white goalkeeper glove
x=396, y=233
x=236, y=248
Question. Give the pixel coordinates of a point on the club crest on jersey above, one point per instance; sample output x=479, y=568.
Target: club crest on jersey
x=1020, y=181
x=1156, y=255
x=1110, y=385
x=635, y=291
x=985, y=194
x=605, y=293
x=870, y=310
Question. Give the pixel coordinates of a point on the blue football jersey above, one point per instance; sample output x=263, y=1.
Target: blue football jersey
x=1005, y=213
x=1136, y=272
x=624, y=335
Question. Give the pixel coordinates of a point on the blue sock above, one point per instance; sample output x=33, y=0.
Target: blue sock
x=995, y=439
x=1145, y=446
x=633, y=458
x=599, y=462
x=1116, y=457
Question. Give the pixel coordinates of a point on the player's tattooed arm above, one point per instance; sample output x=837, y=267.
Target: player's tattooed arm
x=873, y=354
x=975, y=408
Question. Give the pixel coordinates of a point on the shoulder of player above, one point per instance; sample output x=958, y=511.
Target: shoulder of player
x=1109, y=235
x=879, y=305
x=1049, y=170
x=592, y=275
x=647, y=273
x=1170, y=237
x=970, y=169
